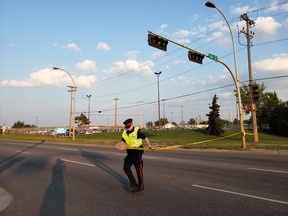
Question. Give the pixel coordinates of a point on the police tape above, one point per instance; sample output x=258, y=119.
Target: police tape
x=177, y=146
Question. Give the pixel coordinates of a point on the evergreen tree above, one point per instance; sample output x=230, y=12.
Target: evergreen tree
x=214, y=121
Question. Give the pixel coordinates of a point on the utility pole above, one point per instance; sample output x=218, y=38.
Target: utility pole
x=70, y=119
x=115, y=122
x=249, y=36
x=89, y=97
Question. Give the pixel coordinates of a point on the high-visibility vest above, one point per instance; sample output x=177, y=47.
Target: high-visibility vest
x=131, y=139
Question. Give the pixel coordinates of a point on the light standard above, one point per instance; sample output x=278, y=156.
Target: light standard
x=158, y=74
x=89, y=97
x=211, y=5
x=74, y=90
x=236, y=79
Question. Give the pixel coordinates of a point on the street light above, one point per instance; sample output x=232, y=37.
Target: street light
x=74, y=90
x=158, y=74
x=236, y=79
x=212, y=5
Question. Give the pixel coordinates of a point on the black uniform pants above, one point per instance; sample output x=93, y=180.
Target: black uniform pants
x=134, y=158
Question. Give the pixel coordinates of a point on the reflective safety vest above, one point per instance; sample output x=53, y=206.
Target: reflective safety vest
x=131, y=139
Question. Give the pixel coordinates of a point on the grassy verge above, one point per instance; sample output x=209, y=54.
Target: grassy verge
x=230, y=140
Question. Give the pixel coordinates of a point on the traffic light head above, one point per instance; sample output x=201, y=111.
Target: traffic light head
x=157, y=42
x=195, y=57
x=255, y=92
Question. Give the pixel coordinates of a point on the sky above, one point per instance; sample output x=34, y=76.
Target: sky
x=103, y=46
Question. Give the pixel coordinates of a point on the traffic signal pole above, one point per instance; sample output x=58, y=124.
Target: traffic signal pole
x=236, y=82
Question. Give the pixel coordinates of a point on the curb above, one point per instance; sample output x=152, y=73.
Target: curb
x=5, y=199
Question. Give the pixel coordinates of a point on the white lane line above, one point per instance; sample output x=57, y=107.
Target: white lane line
x=241, y=194
x=23, y=152
x=71, y=161
x=70, y=149
x=268, y=170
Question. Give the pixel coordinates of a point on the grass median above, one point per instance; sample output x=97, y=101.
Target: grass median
x=191, y=139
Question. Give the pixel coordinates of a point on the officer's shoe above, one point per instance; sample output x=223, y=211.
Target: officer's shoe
x=138, y=191
x=132, y=188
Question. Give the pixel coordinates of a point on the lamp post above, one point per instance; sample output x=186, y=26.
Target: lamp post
x=158, y=74
x=211, y=5
x=236, y=79
x=89, y=97
x=74, y=90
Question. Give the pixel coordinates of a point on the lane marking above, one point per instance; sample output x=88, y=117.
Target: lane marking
x=71, y=161
x=70, y=149
x=241, y=194
x=23, y=152
x=268, y=170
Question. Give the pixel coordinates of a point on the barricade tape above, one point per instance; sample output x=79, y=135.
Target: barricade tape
x=182, y=145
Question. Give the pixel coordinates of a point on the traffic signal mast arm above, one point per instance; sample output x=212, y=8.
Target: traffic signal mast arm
x=236, y=82
x=172, y=41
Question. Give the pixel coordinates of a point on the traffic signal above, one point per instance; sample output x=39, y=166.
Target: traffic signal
x=157, y=42
x=195, y=57
x=255, y=92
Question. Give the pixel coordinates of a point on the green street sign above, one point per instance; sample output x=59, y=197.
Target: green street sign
x=213, y=57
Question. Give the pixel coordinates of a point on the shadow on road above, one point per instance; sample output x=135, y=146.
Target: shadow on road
x=98, y=160
x=12, y=160
x=54, y=199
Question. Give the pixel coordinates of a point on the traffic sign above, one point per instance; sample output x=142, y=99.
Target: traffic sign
x=213, y=57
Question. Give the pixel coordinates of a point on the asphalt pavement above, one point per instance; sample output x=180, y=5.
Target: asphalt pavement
x=38, y=178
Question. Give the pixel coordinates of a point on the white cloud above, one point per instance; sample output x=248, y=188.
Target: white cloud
x=86, y=65
x=103, y=46
x=132, y=54
x=123, y=67
x=184, y=33
x=72, y=46
x=241, y=10
x=266, y=27
x=277, y=64
x=49, y=77
x=182, y=81
x=163, y=26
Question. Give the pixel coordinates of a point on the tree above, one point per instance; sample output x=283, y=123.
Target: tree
x=18, y=124
x=214, y=121
x=82, y=120
x=279, y=119
x=149, y=124
x=191, y=121
x=162, y=122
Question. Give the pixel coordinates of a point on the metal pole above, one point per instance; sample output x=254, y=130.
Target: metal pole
x=240, y=105
x=211, y=5
x=89, y=97
x=74, y=89
x=115, y=122
x=158, y=74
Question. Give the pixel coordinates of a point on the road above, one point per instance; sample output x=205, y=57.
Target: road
x=61, y=179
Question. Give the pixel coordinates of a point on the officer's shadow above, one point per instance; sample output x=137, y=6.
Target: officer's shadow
x=98, y=160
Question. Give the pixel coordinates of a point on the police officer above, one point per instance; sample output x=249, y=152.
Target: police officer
x=132, y=137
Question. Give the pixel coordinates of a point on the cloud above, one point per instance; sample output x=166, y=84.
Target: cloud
x=266, y=27
x=86, y=65
x=132, y=54
x=103, y=46
x=184, y=33
x=277, y=64
x=163, y=26
x=182, y=81
x=123, y=67
x=49, y=77
x=72, y=46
